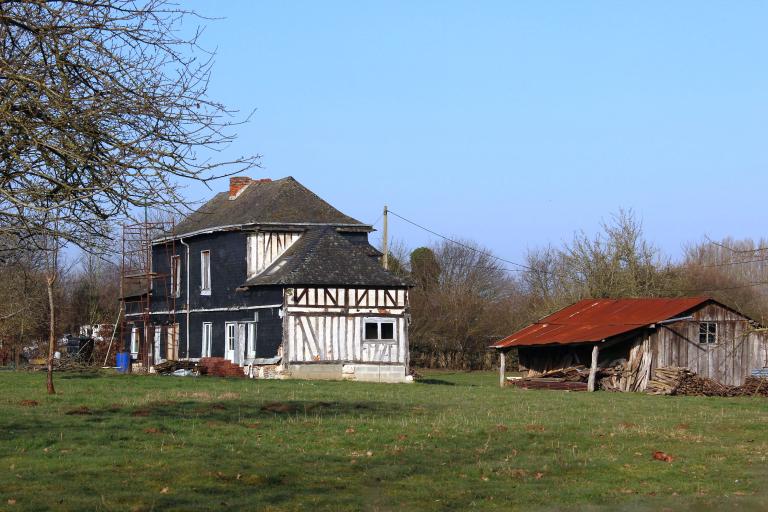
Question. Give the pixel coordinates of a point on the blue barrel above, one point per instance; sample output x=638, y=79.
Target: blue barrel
x=123, y=362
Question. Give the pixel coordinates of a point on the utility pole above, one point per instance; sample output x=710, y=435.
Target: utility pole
x=385, y=242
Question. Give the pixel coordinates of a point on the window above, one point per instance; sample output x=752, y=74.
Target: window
x=207, y=333
x=379, y=329
x=135, y=336
x=708, y=332
x=205, y=272
x=176, y=276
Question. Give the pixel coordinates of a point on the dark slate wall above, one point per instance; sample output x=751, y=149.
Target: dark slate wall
x=269, y=331
x=228, y=272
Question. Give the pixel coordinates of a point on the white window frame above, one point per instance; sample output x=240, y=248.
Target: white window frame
x=207, y=339
x=135, y=335
x=710, y=338
x=176, y=275
x=205, y=272
x=379, y=320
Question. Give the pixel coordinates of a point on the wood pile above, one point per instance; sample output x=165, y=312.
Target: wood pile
x=579, y=373
x=168, y=367
x=665, y=381
x=220, y=367
x=684, y=382
x=610, y=378
x=549, y=383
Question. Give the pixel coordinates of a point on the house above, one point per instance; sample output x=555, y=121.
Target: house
x=698, y=333
x=278, y=282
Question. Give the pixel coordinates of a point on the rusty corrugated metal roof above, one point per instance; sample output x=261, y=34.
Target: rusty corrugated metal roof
x=593, y=320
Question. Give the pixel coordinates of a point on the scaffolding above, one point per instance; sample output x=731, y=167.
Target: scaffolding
x=141, y=282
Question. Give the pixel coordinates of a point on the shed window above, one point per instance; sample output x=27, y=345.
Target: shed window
x=205, y=272
x=379, y=329
x=708, y=332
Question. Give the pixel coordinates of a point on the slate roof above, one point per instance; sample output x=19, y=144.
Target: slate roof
x=594, y=320
x=323, y=257
x=283, y=201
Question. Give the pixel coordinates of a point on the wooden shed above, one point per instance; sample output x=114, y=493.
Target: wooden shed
x=643, y=334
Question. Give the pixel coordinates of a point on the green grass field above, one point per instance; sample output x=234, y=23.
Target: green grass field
x=454, y=442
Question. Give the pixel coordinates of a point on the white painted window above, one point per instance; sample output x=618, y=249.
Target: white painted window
x=205, y=272
x=176, y=276
x=135, y=336
x=207, y=335
x=378, y=329
x=230, y=336
x=707, y=332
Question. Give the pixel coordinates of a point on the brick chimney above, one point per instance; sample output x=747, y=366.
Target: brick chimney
x=237, y=184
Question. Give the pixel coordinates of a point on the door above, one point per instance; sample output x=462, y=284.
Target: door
x=172, y=342
x=241, y=343
x=207, y=334
x=230, y=338
x=156, y=342
x=250, y=350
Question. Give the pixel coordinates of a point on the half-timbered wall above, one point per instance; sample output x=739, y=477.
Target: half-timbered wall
x=327, y=325
x=265, y=247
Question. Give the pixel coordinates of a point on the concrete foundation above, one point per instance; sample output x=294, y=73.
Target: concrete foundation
x=352, y=371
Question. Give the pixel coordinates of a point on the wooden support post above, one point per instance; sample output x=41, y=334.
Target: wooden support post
x=385, y=239
x=502, y=367
x=593, y=369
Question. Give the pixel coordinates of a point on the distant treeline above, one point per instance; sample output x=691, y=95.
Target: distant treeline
x=464, y=297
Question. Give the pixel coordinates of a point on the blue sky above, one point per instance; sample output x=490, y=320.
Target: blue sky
x=514, y=124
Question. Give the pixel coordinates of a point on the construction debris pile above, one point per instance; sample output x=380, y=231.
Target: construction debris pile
x=220, y=367
x=171, y=367
x=682, y=381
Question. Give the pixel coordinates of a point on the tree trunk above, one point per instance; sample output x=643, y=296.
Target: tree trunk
x=49, y=281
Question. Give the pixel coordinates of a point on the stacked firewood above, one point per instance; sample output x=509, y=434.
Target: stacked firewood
x=578, y=373
x=666, y=381
x=753, y=386
x=682, y=381
x=610, y=377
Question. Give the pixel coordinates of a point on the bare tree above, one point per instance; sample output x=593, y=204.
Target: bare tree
x=103, y=109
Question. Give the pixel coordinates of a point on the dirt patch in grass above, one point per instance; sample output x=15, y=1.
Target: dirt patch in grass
x=141, y=412
x=81, y=411
x=29, y=403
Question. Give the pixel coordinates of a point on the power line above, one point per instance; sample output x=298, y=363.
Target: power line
x=527, y=268
x=485, y=253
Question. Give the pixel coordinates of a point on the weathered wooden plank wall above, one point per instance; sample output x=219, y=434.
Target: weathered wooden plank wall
x=738, y=350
